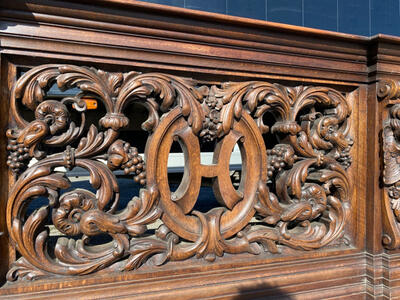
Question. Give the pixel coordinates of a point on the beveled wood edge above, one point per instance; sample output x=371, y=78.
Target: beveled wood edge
x=340, y=275
x=222, y=18
x=38, y=48
x=365, y=58
x=175, y=26
x=191, y=14
x=383, y=275
x=205, y=71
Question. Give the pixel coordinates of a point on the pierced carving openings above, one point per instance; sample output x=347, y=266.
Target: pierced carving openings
x=291, y=194
x=389, y=93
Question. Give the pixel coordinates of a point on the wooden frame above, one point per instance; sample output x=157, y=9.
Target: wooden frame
x=239, y=69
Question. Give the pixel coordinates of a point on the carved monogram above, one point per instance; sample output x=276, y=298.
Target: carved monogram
x=294, y=194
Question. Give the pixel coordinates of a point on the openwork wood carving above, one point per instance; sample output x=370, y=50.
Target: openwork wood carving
x=389, y=93
x=293, y=195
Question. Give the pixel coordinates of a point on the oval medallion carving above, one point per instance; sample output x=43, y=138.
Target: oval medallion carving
x=239, y=206
x=292, y=194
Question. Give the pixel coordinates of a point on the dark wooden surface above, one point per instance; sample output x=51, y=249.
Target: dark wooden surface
x=123, y=36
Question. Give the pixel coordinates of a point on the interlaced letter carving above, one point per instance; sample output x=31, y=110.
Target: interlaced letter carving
x=292, y=195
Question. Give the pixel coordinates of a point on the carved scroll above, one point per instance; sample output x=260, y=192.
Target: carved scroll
x=292, y=195
x=389, y=93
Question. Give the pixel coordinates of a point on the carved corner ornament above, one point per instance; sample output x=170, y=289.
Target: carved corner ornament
x=388, y=92
x=292, y=195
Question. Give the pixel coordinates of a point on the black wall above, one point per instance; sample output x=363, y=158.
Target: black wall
x=362, y=17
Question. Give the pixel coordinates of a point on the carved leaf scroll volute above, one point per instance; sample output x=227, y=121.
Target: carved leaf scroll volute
x=294, y=195
x=389, y=94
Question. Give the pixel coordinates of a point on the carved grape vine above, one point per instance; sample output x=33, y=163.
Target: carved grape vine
x=298, y=190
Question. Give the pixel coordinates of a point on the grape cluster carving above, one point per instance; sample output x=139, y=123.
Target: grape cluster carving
x=298, y=189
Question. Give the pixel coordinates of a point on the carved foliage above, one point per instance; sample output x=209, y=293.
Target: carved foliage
x=389, y=93
x=298, y=190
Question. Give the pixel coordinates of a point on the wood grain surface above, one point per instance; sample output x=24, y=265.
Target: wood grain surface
x=312, y=213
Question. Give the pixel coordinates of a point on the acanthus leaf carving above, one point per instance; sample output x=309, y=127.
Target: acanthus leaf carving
x=388, y=91
x=298, y=190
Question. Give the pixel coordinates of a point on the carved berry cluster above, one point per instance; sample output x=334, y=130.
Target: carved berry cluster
x=135, y=164
x=17, y=155
x=305, y=207
x=344, y=157
x=279, y=157
x=212, y=120
x=122, y=156
x=210, y=126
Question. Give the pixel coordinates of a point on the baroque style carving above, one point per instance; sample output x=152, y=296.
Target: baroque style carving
x=293, y=195
x=389, y=93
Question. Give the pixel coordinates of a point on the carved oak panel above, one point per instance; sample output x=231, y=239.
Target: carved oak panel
x=389, y=93
x=293, y=193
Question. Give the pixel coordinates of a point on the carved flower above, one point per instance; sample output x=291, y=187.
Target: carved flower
x=66, y=218
x=54, y=113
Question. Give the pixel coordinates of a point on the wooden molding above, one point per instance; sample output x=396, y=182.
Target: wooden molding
x=313, y=112
x=296, y=278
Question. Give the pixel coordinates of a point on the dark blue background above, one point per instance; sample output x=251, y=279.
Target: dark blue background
x=362, y=17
